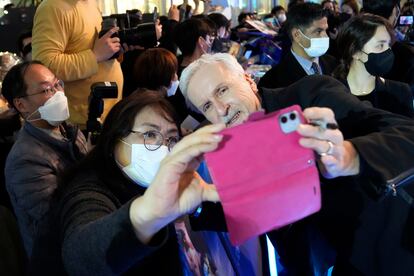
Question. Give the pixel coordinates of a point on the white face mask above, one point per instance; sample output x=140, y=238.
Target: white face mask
x=144, y=163
x=281, y=17
x=173, y=88
x=55, y=110
x=318, y=46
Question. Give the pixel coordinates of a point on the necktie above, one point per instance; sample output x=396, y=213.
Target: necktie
x=316, y=69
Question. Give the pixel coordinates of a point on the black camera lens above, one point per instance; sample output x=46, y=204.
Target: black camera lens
x=283, y=119
x=292, y=116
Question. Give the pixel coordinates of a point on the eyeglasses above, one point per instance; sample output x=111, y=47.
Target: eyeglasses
x=153, y=140
x=49, y=90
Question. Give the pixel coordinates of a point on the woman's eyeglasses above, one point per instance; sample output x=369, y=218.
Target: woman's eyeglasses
x=153, y=139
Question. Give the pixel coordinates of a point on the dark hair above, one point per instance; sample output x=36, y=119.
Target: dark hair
x=242, y=16
x=302, y=16
x=220, y=20
x=294, y=3
x=326, y=1
x=23, y=36
x=13, y=85
x=352, y=37
x=187, y=33
x=117, y=125
x=277, y=9
x=155, y=68
x=352, y=4
x=380, y=7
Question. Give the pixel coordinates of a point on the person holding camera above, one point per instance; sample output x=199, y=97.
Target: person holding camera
x=366, y=56
x=45, y=146
x=65, y=39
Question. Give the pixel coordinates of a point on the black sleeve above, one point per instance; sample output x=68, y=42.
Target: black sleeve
x=211, y=218
x=98, y=238
x=383, y=140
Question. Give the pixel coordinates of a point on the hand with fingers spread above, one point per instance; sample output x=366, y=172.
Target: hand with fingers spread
x=176, y=189
x=106, y=46
x=337, y=157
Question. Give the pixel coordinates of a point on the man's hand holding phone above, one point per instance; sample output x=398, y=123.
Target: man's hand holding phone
x=337, y=157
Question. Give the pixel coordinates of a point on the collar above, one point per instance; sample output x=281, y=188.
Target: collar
x=306, y=64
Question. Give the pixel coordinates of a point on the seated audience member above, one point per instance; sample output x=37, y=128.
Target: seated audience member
x=280, y=13
x=24, y=44
x=156, y=69
x=194, y=37
x=375, y=147
x=120, y=210
x=45, y=146
x=222, y=42
x=306, y=26
x=328, y=5
x=403, y=68
x=366, y=57
x=350, y=7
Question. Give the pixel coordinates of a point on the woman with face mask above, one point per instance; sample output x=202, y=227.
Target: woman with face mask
x=118, y=207
x=157, y=69
x=364, y=48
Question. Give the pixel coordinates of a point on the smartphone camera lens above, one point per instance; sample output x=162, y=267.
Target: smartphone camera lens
x=283, y=119
x=292, y=116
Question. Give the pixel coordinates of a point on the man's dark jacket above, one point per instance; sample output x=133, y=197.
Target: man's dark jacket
x=288, y=71
x=371, y=230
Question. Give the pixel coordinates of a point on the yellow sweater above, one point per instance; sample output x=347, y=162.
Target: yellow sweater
x=64, y=33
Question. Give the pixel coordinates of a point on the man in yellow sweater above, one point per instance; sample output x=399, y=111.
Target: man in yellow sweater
x=65, y=39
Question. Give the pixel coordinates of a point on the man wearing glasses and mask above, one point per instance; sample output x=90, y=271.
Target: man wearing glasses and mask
x=45, y=146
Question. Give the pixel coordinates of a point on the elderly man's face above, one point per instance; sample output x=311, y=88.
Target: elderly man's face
x=221, y=95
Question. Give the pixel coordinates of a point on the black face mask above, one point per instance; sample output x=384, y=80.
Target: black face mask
x=379, y=64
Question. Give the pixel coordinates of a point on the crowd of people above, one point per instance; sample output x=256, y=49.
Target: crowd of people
x=141, y=199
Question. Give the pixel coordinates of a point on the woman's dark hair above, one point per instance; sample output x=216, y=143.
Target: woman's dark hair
x=380, y=7
x=220, y=20
x=352, y=37
x=187, y=33
x=13, y=85
x=352, y=4
x=302, y=16
x=155, y=68
x=117, y=125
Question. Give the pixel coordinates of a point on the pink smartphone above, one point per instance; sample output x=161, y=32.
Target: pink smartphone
x=264, y=178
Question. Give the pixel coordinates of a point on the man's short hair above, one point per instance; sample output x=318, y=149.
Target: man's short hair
x=277, y=9
x=13, y=85
x=380, y=7
x=302, y=16
x=186, y=34
x=220, y=20
x=227, y=60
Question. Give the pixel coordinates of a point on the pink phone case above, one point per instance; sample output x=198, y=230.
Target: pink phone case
x=264, y=178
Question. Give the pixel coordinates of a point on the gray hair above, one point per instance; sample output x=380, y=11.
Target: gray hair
x=227, y=60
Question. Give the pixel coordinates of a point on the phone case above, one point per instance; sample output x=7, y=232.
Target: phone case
x=264, y=178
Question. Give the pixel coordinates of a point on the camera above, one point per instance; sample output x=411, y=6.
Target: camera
x=99, y=91
x=133, y=30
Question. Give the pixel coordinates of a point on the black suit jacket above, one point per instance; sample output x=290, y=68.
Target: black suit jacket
x=370, y=232
x=289, y=71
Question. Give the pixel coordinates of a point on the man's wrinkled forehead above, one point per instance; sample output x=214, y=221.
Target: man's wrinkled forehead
x=207, y=78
